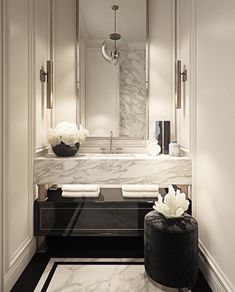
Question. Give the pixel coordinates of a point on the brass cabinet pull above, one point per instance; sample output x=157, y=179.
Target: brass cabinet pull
x=49, y=80
x=180, y=77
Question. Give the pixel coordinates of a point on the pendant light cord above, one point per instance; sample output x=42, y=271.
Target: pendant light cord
x=115, y=28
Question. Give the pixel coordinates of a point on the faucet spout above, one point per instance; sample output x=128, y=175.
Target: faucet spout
x=111, y=142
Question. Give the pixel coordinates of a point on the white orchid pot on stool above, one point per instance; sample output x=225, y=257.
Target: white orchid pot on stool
x=174, y=204
x=65, y=138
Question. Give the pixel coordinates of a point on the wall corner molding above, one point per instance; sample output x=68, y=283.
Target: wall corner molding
x=212, y=272
x=19, y=264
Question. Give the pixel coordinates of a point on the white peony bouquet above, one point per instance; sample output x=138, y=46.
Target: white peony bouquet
x=174, y=204
x=68, y=133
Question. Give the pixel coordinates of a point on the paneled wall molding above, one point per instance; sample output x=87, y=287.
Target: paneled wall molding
x=210, y=269
x=64, y=54
x=192, y=77
x=15, y=258
x=42, y=53
x=185, y=51
x=212, y=272
x=193, y=141
x=1, y=150
x=161, y=60
x=174, y=56
x=31, y=115
x=19, y=264
x=5, y=117
x=209, y=265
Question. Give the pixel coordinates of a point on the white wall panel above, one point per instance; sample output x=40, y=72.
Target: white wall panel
x=18, y=123
x=183, y=115
x=161, y=36
x=215, y=139
x=19, y=244
x=64, y=57
x=1, y=151
x=42, y=54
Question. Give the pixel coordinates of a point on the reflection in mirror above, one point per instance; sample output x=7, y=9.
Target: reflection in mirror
x=112, y=95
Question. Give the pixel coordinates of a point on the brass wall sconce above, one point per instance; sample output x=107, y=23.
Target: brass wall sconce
x=49, y=80
x=180, y=77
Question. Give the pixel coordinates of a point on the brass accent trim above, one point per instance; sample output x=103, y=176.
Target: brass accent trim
x=42, y=193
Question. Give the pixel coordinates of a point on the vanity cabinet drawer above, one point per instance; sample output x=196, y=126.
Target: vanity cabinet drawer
x=68, y=219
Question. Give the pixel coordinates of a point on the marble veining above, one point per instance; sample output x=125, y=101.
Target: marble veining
x=133, y=95
x=99, y=278
x=137, y=168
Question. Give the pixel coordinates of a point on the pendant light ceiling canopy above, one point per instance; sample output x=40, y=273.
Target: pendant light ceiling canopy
x=115, y=48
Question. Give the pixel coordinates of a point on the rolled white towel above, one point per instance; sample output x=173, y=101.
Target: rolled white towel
x=80, y=188
x=140, y=194
x=140, y=188
x=81, y=194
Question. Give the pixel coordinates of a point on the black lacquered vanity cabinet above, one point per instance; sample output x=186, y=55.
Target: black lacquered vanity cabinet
x=108, y=215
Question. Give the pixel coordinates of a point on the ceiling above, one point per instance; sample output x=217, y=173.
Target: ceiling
x=98, y=18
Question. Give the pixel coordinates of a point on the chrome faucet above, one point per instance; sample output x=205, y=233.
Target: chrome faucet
x=111, y=142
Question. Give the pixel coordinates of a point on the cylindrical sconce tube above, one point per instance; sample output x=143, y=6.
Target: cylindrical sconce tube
x=178, y=85
x=49, y=84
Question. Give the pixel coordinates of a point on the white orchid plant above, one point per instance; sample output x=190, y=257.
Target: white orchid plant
x=68, y=133
x=173, y=205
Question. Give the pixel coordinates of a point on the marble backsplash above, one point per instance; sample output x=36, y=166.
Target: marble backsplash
x=133, y=95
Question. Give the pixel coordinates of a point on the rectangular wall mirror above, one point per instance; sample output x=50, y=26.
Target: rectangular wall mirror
x=113, y=97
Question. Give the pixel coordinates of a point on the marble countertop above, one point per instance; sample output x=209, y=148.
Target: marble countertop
x=121, y=156
x=113, y=169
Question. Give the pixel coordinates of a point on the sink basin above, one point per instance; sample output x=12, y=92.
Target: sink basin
x=108, y=155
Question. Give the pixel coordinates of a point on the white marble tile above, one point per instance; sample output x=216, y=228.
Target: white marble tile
x=53, y=260
x=100, y=278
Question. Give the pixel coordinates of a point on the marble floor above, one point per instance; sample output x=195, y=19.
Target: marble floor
x=97, y=275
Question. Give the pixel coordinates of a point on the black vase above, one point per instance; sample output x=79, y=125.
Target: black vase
x=64, y=150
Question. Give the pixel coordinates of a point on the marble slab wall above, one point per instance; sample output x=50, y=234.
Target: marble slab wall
x=133, y=95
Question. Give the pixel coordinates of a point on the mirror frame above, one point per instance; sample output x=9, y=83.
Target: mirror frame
x=94, y=144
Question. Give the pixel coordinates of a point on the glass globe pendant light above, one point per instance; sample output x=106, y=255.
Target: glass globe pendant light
x=115, y=48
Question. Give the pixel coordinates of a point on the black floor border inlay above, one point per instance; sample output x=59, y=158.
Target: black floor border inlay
x=49, y=278
x=57, y=263
x=83, y=248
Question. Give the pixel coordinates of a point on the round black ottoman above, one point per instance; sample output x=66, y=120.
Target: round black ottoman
x=171, y=249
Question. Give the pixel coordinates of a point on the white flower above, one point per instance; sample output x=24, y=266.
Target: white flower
x=53, y=139
x=68, y=133
x=174, y=204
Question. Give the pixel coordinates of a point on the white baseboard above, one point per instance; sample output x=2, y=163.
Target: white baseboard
x=19, y=265
x=212, y=273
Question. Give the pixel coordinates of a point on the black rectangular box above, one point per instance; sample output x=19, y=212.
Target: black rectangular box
x=163, y=135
